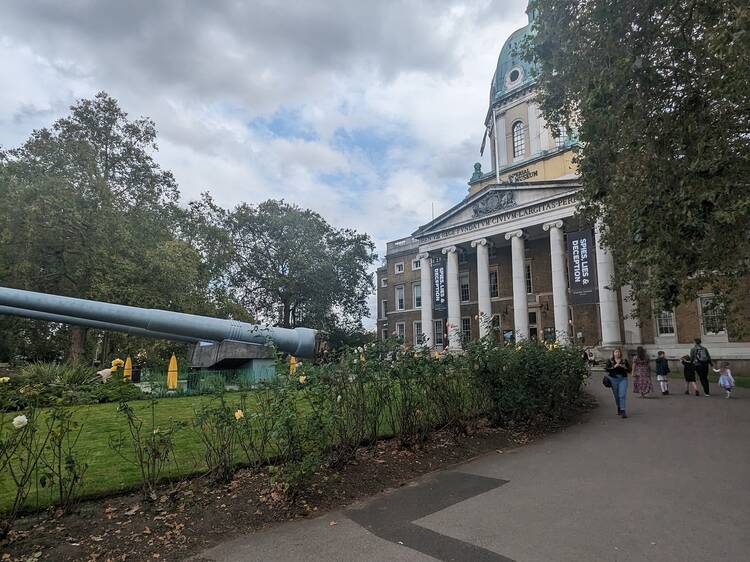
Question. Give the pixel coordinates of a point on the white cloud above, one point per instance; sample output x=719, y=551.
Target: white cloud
x=413, y=76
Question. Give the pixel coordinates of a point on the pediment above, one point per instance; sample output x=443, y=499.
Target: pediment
x=497, y=199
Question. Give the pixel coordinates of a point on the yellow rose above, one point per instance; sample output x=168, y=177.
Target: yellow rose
x=239, y=414
x=302, y=379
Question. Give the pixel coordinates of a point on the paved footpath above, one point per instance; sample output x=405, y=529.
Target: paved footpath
x=671, y=482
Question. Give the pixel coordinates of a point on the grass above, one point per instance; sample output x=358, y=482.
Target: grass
x=742, y=381
x=108, y=473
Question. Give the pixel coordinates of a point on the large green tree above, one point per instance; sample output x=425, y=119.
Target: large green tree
x=86, y=211
x=289, y=266
x=658, y=92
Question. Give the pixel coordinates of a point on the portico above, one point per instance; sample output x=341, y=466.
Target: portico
x=501, y=221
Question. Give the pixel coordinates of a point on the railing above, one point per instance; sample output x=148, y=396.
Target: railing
x=205, y=382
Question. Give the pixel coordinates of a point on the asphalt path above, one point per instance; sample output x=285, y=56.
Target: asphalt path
x=671, y=482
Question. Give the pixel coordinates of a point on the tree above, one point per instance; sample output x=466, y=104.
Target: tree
x=659, y=94
x=290, y=267
x=86, y=211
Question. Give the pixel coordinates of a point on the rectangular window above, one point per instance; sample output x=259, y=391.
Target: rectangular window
x=400, y=330
x=418, y=336
x=400, y=298
x=384, y=282
x=665, y=323
x=466, y=329
x=465, y=291
x=384, y=334
x=399, y=267
x=383, y=308
x=494, y=292
x=529, y=284
x=492, y=251
x=416, y=290
x=438, y=329
x=712, y=317
x=462, y=257
x=549, y=334
x=495, y=320
x=416, y=264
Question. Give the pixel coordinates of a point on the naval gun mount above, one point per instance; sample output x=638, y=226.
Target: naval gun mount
x=217, y=343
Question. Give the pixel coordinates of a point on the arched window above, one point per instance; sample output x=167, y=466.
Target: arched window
x=519, y=140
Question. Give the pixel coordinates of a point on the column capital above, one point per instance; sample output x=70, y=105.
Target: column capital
x=552, y=224
x=480, y=242
x=515, y=234
x=450, y=250
x=423, y=255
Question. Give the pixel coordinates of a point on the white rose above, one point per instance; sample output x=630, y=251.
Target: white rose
x=20, y=421
x=338, y=398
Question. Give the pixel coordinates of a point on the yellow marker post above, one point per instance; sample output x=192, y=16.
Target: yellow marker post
x=127, y=372
x=172, y=373
x=292, y=364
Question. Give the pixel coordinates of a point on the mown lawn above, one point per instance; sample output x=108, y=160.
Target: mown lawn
x=741, y=380
x=108, y=473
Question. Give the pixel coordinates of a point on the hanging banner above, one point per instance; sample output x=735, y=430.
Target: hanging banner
x=582, y=267
x=439, y=294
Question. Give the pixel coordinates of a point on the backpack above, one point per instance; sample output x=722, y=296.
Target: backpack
x=701, y=354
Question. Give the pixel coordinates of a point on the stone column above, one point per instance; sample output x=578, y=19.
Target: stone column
x=632, y=333
x=559, y=281
x=454, y=298
x=426, y=284
x=483, y=285
x=520, y=302
x=608, y=310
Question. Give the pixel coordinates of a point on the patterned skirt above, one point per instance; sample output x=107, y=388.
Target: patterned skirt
x=642, y=384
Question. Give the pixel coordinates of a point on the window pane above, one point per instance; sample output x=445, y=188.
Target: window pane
x=438, y=329
x=665, y=323
x=466, y=328
x=385, y=309
x=712, y=316
x=465, y=292
x=399, y=298
x=519, y=139
x=529, y=286
x=418, y=332
x=493, y=284
x=417, y=290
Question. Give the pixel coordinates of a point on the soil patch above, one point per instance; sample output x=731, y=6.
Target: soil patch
x=193, y=515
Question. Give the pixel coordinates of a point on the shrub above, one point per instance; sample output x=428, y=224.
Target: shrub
x=152, y=447
x=217, y=428
x=257, y=425
x=530, y=383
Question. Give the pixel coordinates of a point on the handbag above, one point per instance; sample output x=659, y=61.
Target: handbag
x=606, y=382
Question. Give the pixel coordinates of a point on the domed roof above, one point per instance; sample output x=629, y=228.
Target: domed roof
x=512, y=71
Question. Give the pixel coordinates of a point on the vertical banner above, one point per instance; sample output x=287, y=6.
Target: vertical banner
x=582, y=267
x=439, y=296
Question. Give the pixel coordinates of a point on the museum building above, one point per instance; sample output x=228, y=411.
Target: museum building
x=513, y=253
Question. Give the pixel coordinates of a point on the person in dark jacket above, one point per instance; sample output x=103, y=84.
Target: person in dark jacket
x=662, y=373
x=617, y=369
x=688, y=371
x=701, y=358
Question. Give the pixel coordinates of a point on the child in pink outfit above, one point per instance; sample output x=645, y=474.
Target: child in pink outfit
x=726, y=380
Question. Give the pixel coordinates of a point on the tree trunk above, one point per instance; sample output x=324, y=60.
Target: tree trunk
x=77, y=343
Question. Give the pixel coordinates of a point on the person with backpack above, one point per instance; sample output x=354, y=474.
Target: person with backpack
x=701, y=358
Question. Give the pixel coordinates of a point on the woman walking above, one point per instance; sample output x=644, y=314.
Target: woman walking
x=617, y=371
x=641, y=373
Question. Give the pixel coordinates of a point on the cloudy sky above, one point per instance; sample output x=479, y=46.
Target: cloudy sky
x=368, y=112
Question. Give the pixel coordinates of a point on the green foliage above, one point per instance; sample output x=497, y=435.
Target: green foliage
x=658, y=93
x=149, y=448
x=62, y=470
x=531, y=384
x=217, y=427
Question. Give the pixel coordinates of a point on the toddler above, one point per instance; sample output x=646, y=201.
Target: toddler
x=726, y=380
x=662, y=373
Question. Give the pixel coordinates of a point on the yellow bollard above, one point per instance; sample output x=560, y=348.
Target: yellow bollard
x=292, y=364
x=127, y=372
x=172, y=374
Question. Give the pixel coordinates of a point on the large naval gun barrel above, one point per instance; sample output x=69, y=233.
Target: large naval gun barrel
x=300, y=342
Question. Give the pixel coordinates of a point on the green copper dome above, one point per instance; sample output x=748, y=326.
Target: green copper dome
x=512, y=71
